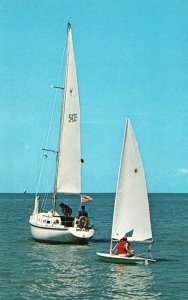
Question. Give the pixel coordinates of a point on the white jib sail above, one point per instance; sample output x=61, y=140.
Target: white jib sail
x=131, y=209
x=68, y=173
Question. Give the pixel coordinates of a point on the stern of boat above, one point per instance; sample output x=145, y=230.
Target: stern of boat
x=84, y=233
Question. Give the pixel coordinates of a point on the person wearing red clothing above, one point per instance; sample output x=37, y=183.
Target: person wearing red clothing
x=123, y=247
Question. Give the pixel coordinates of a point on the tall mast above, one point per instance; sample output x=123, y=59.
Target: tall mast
x=122, y=151
x=68, y=164
x=61, y=117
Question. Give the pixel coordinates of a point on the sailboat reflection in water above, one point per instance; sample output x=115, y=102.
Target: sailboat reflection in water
x=51, y=226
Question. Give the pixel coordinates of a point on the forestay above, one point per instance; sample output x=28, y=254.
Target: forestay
x=68, y=173
x=131, y=210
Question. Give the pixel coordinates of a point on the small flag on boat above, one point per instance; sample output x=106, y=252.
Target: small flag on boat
x=86, y=198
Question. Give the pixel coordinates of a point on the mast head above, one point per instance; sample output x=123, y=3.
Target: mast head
x=69, y=23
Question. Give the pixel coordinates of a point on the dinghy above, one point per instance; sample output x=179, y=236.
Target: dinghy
x=131, y=217
x=51, y=226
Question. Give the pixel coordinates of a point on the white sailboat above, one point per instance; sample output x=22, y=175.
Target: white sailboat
x=51, y=226
x=131, y=215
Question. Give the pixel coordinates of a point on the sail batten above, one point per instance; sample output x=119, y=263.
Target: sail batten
x=68, y=171
x=131, y=210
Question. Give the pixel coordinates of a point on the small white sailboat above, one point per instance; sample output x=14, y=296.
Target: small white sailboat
x=51, y=226
x=131, y=215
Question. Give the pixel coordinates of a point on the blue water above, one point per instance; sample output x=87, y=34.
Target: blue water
x=31, y=270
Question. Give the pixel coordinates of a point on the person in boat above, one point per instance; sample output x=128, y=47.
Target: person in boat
x=66, y=210
x=82, y=212
x=83, y=217
x=123, y=247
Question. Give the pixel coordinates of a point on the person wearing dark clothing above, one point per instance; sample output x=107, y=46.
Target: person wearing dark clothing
x=82, y=212
x=66, y=210
x=83, y=218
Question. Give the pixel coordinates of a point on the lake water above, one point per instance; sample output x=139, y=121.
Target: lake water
x=32, y=270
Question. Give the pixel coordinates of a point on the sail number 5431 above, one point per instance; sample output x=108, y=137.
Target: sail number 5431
x=72, y=118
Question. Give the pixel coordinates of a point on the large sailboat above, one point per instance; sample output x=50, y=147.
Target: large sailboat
x=131, y=217
x=51, y=226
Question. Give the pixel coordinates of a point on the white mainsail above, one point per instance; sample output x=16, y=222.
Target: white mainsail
x=68, y=173
x=131, y=209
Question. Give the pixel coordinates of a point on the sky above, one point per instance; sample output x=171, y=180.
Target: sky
x=131, y=58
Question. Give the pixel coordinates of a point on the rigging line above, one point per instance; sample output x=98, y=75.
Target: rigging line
x=47, y=187
x=51, y=117
x=38, y=169
x=141, y=254
x=146, y=252
x=42, y=204
x=44, y=200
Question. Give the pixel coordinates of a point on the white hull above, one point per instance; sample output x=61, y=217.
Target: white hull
x=48, y=228
x=122, y=259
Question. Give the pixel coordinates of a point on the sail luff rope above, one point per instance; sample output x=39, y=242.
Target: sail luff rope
x=67, y=45
x=119, y=171
x=51, y=117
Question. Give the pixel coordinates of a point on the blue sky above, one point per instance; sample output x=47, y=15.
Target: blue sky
x=131, y=59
